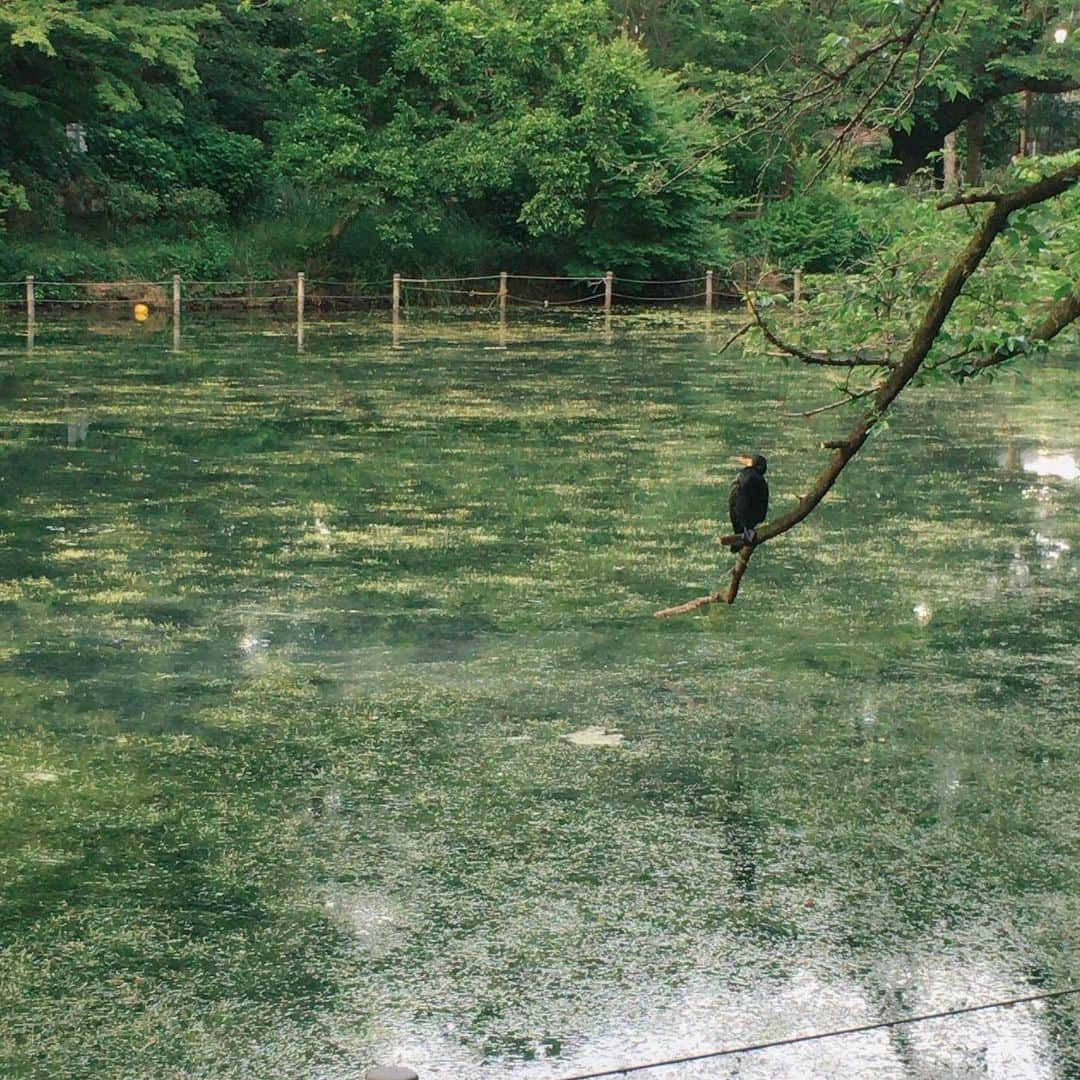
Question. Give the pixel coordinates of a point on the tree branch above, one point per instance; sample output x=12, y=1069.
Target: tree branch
x=1064, y=312
x=948, y=114
x=904, y=39
x=836, y=404
x=922, y=341
x=735, y=337
x=826, y=360
x=791, y=107
x=928, y=14
x=970, y=199
x=721, y=596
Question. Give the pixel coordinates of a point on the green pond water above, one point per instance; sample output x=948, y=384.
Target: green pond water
x=335, y=728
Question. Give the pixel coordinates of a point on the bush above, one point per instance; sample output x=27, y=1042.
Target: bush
x=128, y=202
x=134, y=156
x=194, y=204
x=44, y=208
x=65, y=257
x=205, y=158
x=817, y=230
x=207, y=256
x=230, y=163
x=11, y=195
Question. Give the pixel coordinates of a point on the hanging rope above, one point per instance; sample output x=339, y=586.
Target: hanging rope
x=92, y=284
x=252, y=281
x=657, y=299
x=555, y=303
x=543, y=277
x=670, y=281
x=80, y=301
x=280, y=299
x=438, y=280
x=349, y=284
x=1007, y=1003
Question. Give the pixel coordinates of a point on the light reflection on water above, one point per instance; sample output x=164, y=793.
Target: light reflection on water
x=339, y=729
x=1063, y=466
x=1053, y=464
x=643, y=1026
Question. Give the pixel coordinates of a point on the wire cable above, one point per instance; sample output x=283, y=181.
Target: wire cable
x=1007, y=1003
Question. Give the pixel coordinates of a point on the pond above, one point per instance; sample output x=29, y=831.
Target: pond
x=335, y=727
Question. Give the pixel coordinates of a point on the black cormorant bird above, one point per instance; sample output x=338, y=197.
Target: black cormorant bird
x=748, y=502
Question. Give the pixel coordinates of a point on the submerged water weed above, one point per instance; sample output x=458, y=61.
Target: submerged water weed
x=335, y=726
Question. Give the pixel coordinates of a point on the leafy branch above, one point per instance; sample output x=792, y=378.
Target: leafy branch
x=918, y=348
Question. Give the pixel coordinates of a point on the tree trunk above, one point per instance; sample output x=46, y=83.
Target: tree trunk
x=911, y=149
x=1026, y=149
x=950, y=175
x=976, y=133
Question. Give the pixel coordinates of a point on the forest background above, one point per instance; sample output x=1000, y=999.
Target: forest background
x=654, y=138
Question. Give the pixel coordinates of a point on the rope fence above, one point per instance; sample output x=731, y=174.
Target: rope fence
x=533, y=292
x=543, y=291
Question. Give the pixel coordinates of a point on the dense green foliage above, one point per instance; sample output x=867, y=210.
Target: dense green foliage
x=875, y=312
x=817, y=230
x=427, y=135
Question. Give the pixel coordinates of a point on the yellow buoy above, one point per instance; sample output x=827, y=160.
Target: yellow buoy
x=141, y=312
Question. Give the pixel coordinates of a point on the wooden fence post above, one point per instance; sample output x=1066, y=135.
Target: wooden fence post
x=796, y=288
x=504, y=292
x=300, y=311
x=708, y=290
x=609, y=285
x=29, y=312
x=395, y=301
x=176, y=311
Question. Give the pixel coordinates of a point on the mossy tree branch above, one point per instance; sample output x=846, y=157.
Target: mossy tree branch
x=1061, y=314
x=916, y=352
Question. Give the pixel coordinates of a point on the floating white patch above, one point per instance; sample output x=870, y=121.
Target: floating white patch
x=594, y=736
x=41, y=776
